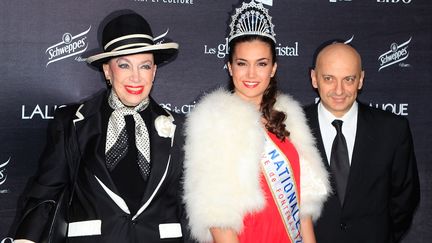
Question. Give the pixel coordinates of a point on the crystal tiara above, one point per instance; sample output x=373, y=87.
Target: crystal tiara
x=251, y=19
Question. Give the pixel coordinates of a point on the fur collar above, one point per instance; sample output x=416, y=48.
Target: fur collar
x=223, y=138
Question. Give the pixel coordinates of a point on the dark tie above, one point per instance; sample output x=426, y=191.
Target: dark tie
x=339, y=161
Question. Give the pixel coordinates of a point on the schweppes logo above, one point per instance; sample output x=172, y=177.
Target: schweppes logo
x=70, y=45
x=397, y=53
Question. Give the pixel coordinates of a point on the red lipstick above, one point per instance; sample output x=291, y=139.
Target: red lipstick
x=135, y=90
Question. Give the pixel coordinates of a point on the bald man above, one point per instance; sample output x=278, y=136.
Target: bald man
x=368, y=152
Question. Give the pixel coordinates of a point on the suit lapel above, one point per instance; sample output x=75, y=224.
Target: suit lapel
x=160, y=155
x=362, y=147
x=91, y=139
x=312, y=114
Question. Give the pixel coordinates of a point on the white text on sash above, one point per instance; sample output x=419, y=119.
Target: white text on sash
x=280, y=178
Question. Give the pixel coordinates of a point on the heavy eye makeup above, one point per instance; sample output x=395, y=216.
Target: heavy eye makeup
x=122, y=63
x=125, y=64
x=146, y=66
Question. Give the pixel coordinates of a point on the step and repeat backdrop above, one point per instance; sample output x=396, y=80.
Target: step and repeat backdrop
x=43, y=45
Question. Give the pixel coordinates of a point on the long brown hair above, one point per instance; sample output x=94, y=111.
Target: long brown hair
x=275, y=119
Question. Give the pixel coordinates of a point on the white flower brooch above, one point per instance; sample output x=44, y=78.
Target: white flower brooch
x=164, y=126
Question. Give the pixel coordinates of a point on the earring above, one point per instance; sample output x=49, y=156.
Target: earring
x=108, y=82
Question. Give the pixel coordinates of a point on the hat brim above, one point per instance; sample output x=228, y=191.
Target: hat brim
x=162, y=53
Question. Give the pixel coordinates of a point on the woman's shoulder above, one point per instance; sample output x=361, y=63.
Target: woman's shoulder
x=66, y=111
x=222, y=102
x=289, y=105
x=216, y=98
x=84, y=107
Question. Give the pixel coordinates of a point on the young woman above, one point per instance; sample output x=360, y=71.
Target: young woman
x=252, y=171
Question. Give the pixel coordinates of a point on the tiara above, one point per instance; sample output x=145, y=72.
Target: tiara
x=251, y=19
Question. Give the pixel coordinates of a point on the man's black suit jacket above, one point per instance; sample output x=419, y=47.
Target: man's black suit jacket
x=383, y=186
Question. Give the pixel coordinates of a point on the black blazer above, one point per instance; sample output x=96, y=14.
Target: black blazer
x=383, y=186
x=161, y=205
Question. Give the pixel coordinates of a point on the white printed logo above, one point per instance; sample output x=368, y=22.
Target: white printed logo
x=349, y=40
x=68, y=47
x=182, y=109
x=190, y=2
x=396, y=54
x=398, y=109
x=267, y=2
x=335, y=1
x=39, y=111
x=221, y=50
x=3, y=175
x=394, y=1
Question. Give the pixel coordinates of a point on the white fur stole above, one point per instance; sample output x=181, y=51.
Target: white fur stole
x=224, y=144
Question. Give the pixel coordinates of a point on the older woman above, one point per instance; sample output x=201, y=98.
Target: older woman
x=252, y=171
x=124, y=147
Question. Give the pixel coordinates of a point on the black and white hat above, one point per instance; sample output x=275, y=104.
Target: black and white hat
x=131, y=34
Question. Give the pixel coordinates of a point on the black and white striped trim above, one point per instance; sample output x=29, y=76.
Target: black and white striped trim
x=128, y=41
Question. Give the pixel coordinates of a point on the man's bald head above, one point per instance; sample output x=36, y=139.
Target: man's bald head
x=339, y=50
x=337, y=76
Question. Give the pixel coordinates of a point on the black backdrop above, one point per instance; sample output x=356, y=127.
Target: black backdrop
x=42, y=45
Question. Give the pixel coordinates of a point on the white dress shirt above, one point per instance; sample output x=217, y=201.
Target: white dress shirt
x=328, y=131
